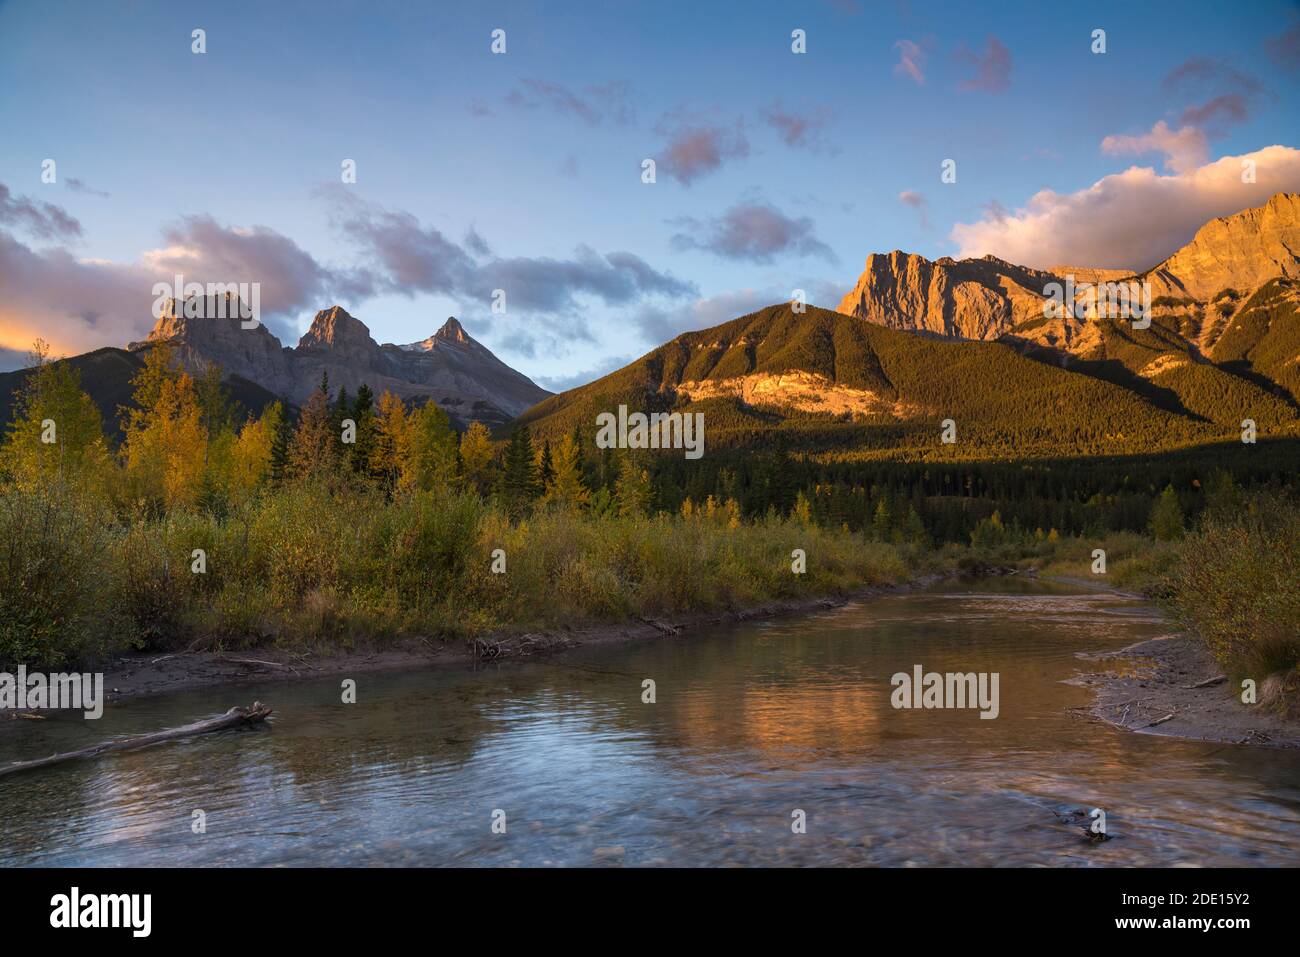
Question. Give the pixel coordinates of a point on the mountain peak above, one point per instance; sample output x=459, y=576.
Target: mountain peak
x=453, y=331
x=335, y=327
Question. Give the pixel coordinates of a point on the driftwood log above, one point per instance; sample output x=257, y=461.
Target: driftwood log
x=233, y=718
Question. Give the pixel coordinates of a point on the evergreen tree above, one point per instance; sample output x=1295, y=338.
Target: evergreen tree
x=313, y=449
x=520, y=474
x=545, y=466
x=1167, y=516
x=363, y=413
x=633, y=490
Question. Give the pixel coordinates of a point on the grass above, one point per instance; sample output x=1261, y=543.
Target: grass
x=338, y=568
x=306, y=566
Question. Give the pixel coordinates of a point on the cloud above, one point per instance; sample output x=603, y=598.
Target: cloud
x=918, y=202
x=80, y=186
x=695, y=148
x=911, y=61
x=1129, y=220
x=800, y=131
x=756, y=232
x=72, y=304
x=1221, y=93
x=42, y=220
x=659, y=325
x=1185, y=149
x=291, y=280
x=404, y=257
x=594, y=105
x=562, y=383
x=1284, y=49
x=992, y=71
x=79, y=304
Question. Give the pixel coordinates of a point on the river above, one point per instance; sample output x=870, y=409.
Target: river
x=751, y=725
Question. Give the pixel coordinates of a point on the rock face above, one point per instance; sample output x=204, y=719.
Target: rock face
x=1240, y=252
x=449, y=367
x=989, y=298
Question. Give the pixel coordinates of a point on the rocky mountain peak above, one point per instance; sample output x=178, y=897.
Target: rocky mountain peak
x=453, y=331
x=336, y=328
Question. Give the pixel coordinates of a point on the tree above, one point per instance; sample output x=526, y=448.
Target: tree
x=566, y=487
x=312, y=450
x=431, y=459
x=632, y=489
x=57, y=431
x=520, y=477
x=253, y=456
x=476, y=455
x=545, y=466
x=363, y=414
x=165, y=451
x=392, y=440
x=1167, y=516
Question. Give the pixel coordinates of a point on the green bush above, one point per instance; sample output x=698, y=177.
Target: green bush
x=1237, y=585
x=55, y=568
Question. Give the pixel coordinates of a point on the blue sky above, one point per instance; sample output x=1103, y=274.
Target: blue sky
x=824, y=157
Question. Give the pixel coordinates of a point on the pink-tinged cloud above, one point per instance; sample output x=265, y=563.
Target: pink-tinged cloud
x=1185, y=149
x=915, y=200
x=911, y=61
x=1129, y=220
x=1284, y=49
x=696, y=148
x=992, y=69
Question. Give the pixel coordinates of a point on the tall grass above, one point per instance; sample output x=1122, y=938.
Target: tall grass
x=309, y=565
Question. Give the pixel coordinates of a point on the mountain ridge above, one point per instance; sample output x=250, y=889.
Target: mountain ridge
x=450, y=367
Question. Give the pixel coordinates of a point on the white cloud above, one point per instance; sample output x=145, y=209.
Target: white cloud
x=1129, y=220
x=1185, y=149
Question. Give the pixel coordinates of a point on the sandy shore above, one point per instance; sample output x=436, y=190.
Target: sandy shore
x=1167, y=686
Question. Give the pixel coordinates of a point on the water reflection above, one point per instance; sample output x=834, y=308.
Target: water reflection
x=749, y=724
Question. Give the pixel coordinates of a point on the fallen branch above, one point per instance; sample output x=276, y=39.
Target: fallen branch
x=1168, y=717
x=1216, y=679
x=233, y=718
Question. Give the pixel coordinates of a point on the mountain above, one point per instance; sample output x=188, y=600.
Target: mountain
x=1195, y=290
x=918, y=341
x=822, y=381
x=449, y=367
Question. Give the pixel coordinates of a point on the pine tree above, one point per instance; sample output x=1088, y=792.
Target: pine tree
x=633, y=489
x=520, y=474
x=312, y=451
x=1167, y=516
x=545, y=466
x=363, y=413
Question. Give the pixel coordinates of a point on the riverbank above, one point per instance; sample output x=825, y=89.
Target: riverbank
x=140, y=674
x=1173, y=686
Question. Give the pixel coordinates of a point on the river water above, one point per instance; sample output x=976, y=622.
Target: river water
x=751, y=725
